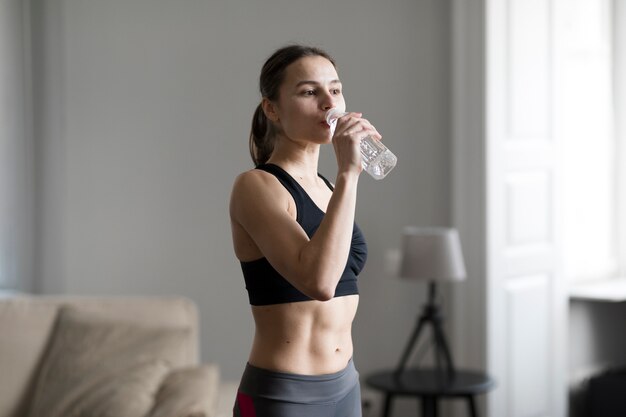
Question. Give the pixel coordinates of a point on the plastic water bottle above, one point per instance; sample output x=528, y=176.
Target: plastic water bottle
x=376, y=159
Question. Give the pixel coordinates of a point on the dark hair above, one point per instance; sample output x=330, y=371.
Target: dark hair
x=262, y=133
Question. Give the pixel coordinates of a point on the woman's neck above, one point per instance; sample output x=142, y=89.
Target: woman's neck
x=299, y=160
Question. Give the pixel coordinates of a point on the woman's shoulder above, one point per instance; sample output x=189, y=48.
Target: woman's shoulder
x=252, y=179
x=256, y=185
x=257, y=191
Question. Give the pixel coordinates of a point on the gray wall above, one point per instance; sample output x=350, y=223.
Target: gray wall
x=142, y=115
x=16, y=162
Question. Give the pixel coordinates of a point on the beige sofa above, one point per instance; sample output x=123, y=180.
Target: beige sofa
x=104, y=356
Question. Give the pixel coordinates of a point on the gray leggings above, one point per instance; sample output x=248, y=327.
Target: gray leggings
x=264, y=393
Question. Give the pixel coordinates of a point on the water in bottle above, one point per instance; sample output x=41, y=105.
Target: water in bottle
x=376, y=159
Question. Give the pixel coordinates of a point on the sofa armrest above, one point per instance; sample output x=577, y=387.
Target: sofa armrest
x=188, y=392
x=227, y=394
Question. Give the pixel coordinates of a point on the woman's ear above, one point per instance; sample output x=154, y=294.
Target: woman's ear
x=269, y=109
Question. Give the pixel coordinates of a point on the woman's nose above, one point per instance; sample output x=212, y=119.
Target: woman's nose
x=328, y=102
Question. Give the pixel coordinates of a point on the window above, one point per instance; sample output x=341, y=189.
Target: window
x=588, y=134
x=619, y=48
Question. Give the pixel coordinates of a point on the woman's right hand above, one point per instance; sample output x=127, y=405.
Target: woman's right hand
x=351, y=129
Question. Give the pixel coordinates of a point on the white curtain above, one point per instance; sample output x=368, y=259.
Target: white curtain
x=16, y=148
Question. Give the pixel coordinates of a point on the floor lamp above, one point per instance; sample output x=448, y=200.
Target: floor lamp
x=431, y=254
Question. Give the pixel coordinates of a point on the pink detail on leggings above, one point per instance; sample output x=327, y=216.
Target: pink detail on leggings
x=246, y=406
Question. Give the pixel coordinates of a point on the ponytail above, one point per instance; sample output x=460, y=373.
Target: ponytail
x=261, y=139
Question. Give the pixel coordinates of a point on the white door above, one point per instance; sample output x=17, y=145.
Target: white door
x=526, y=298
x=509, y=207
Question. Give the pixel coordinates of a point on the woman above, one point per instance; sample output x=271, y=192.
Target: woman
x=299, y=248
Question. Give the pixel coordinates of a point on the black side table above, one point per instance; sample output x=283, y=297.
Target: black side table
x=430, y=385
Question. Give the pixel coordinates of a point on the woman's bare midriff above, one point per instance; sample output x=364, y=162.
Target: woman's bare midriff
x=307, y=338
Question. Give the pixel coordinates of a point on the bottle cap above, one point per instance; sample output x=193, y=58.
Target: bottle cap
x=333, y=114
x=331, y=118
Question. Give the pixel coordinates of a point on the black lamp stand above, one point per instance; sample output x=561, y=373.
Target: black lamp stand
x=431, y=315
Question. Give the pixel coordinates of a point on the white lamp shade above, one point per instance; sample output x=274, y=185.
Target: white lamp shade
x=432, y=253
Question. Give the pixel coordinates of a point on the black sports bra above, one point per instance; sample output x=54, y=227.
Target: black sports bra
x=266, y=286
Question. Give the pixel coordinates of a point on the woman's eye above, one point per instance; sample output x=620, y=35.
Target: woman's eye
x=309, y=93
x=336, y=91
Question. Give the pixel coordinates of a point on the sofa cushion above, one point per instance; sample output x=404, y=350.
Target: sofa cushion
x=25, y=328
x=188, y=392
x=100, y=367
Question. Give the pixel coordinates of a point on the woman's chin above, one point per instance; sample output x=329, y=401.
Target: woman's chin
x=326, y=141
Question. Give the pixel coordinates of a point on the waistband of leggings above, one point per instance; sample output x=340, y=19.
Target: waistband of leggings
x=296, y=388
